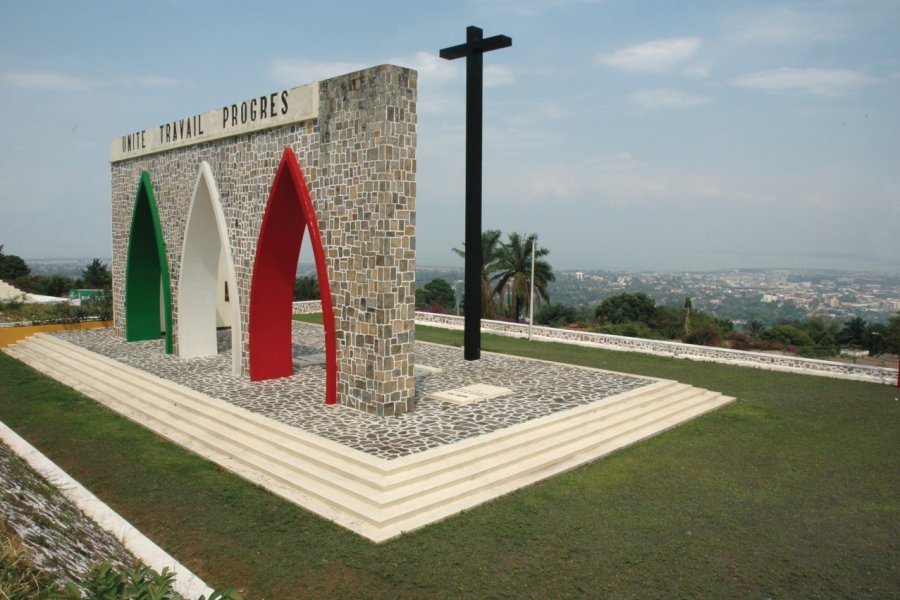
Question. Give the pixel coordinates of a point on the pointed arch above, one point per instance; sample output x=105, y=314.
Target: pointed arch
x=205, y=246
x=289, y=212
x=148, y=294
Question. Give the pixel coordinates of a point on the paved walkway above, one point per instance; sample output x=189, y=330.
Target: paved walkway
x=539, y=389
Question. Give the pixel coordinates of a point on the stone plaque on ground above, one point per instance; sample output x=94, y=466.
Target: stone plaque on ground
x=471, y=393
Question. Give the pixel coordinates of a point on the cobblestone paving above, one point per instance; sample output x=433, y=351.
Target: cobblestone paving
x=539, y=389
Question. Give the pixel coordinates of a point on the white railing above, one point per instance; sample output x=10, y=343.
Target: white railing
x=759, y=360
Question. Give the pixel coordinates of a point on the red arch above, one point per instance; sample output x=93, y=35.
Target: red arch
x=289, y=212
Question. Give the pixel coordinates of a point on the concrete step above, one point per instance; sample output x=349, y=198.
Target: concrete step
x=434, y=463
x=377, y=498
x=470, y=459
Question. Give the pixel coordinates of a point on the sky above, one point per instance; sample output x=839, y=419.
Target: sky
x=627, y=134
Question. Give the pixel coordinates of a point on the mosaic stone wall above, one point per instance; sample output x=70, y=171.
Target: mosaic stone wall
x=359, y=159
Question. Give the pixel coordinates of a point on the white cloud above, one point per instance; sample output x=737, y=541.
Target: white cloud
x=699, y=71
x=816, y=82
x=655, y=56
x=150, y=81
x=623, y=179
x=300, y=71
x=432, y=69
x=784, y=25
x=60, y=82
x=664, y=98
x=530, y=8
x=47, y=81
x=616, y=179
x=498, y=76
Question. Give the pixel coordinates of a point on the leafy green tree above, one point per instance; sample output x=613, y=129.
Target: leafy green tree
x=12, y=267
x=438, y=292
x=823, y=334
x=96, y=275
x=705, y=335
x=788, y=335
x=627, y=308
x=490, y=251
x=755, y=328
x=556, y=314
x=892, y=334
x=853, y=333
x=514, y=266
x=667, y=322
x=306, y=288
x=47, y=285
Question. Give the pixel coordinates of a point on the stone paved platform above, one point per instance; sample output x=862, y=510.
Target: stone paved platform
x=539, y=389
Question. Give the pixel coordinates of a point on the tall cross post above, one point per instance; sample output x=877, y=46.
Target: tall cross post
x=473, y=50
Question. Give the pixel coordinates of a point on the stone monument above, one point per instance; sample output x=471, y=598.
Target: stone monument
x=208, y=215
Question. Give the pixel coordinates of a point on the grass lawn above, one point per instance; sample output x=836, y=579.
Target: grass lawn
x=791, y=492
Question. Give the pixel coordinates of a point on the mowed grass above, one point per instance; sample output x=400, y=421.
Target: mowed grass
x=793, y=491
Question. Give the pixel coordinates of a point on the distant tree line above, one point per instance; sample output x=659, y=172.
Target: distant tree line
x=306, y=287
x=638, y=315
x=15, y=271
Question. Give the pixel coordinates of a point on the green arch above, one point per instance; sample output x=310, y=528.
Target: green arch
x=147, y=271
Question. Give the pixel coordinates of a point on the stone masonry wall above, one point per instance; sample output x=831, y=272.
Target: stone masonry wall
x=359, y=160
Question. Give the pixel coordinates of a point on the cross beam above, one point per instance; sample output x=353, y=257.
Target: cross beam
x=473, y=51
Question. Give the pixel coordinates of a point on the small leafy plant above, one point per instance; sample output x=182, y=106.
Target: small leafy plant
x=132, y=583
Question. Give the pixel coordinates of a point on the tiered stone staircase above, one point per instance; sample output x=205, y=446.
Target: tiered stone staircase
x=374, y=497
x=10, y=293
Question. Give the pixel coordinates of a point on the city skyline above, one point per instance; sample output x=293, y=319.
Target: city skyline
x=638, y=136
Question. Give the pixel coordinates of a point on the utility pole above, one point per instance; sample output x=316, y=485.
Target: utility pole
x=531, y=298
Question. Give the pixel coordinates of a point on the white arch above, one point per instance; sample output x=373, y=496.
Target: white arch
x=205, y=246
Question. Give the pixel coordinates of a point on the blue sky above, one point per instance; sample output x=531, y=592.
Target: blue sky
x=629, y=135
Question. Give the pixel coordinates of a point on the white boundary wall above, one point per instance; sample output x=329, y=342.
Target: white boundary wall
x=741, y=358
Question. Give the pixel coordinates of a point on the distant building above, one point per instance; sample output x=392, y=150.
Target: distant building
x=579, y=275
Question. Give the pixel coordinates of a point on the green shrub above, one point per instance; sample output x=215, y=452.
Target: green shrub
x=99, y=306
x=134, y=583
x=788, y=335
x=707, y=335
x=556, y=314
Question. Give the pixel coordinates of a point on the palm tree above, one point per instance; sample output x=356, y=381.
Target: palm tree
x=514, y=269
x=755, y=328
x=490, y=248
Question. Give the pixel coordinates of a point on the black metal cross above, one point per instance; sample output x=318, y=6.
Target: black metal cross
x=473, y=50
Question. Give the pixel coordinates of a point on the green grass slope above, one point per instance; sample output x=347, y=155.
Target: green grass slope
x=792, y=491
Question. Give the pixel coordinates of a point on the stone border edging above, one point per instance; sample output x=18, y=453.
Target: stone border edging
x=741, y=358
x=186, y=583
